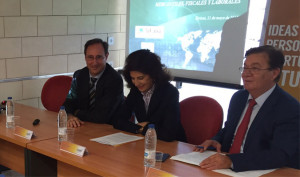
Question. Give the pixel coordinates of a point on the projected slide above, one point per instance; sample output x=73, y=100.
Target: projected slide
x=185, y=34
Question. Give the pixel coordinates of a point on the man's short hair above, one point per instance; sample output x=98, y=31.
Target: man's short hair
x=96, y=41
x=276, y=57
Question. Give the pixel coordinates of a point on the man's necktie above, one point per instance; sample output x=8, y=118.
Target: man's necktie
x=240, y=133
x=92, y=93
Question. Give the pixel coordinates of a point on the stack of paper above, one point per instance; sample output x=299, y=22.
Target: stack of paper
x=116, y=139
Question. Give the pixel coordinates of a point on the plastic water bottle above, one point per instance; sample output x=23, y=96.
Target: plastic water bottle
x=150, y=146
x=10, y=123
x=62, y=120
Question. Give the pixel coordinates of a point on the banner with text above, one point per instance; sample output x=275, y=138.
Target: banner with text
x=283, y=33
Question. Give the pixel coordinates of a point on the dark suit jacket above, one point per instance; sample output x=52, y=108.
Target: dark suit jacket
x=163, y=111
x=273, y=138
x=109, y=95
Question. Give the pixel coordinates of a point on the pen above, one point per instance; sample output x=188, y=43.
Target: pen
x=200, y=147
x=208, y=148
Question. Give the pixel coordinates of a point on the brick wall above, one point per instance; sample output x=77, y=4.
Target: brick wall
x=45, y=37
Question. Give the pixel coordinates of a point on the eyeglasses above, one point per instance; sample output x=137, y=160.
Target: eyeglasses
x=252, y=70
x=91, y=57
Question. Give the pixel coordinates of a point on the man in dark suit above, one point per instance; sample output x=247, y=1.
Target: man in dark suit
x=271, y=137
x=96, y=90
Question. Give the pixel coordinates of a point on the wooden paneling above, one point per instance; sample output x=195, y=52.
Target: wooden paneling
x=12, y=156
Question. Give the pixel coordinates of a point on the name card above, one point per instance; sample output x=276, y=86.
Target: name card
x=73, y=148
x=153, y=172
x=24, y=133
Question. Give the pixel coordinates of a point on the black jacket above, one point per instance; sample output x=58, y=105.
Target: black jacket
x=163, y=111
x=273, y=138
x=109, y=95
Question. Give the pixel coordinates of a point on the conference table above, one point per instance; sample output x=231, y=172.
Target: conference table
x=43, y=156
x=105, y=160
x=13, y=149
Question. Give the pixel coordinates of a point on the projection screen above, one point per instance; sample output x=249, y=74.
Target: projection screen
x=201, y=40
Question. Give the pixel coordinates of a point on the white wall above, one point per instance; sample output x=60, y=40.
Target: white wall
x=44, y=37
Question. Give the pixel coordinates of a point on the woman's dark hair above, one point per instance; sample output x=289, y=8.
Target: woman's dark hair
x=276, y=57
x=148, y=63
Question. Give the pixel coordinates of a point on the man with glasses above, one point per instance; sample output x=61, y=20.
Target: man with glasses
x=96, y=90
x=262, y=127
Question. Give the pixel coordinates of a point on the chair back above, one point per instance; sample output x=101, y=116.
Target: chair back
x=201, y=118
x=54, y=92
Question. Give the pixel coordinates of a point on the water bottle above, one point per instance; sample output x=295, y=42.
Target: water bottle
x=150, y=146
x=10, y=123
x=62, y=120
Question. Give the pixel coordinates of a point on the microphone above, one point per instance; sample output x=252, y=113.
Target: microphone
x=36, y=122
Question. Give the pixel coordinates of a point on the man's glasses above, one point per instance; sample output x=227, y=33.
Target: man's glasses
x=252, y=70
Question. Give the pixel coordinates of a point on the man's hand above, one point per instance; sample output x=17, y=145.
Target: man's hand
x=216, y=161
x=143, y=124
x=202, y=147
x=74, y=122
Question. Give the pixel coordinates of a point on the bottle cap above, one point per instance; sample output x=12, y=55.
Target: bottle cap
x=62, y=107
x=9, y=97
x=151, y=126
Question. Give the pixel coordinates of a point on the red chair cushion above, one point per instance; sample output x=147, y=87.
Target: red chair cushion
x=54, y=92
x=201, y=118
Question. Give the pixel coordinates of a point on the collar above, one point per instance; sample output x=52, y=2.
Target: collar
x=149, y=92
x=262, y=98
x=98, y=75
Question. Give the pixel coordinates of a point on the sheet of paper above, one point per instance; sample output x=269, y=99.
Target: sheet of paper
x=254, y=173
x=196, y=157
x=116, y=139
x=193, y=157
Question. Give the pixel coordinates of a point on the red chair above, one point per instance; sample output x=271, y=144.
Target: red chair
x=54, y=92
x=201, y=118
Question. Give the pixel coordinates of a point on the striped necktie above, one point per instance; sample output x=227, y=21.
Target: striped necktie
x=92, y=93
x=242, y=129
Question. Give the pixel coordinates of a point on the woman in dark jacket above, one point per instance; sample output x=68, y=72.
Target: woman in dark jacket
x=152, y=99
